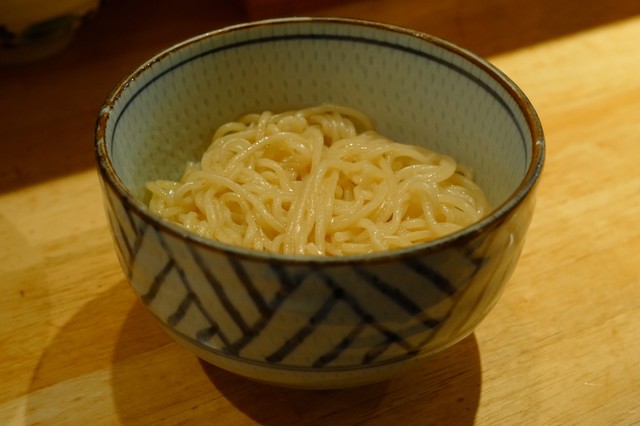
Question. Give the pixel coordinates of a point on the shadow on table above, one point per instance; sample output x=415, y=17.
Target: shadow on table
x=487, y=27
x=112, y=360
x=444, y=390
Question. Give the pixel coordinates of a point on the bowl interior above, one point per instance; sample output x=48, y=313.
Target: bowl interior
x=416, y=90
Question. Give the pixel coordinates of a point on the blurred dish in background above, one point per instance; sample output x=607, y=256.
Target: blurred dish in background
x=35, y=29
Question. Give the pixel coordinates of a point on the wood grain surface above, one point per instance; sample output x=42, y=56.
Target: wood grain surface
x=562, y=346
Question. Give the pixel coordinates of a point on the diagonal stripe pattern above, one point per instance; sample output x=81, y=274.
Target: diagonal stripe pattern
x=298, y=315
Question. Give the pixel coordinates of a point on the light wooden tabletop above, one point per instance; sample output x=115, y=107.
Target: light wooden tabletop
x=562, y=346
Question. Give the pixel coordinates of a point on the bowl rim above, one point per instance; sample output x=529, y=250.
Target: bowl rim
x=497, y=215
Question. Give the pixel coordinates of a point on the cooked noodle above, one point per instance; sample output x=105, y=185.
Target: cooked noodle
x=318, y=181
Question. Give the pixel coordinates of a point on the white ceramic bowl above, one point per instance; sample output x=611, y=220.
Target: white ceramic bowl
x=309, y=321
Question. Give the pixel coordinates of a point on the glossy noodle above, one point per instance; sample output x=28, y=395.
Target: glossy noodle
x=318, y=181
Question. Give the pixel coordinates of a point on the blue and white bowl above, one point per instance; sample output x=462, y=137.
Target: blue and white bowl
x=305, y=321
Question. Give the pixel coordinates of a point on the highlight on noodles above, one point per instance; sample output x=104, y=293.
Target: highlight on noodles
x=318, y=181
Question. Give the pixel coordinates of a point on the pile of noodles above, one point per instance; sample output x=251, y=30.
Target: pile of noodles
x=318, y=181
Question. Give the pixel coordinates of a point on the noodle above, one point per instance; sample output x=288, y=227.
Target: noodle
x=318, y=181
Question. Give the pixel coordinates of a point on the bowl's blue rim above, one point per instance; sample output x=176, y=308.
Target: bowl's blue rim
x=498, y=215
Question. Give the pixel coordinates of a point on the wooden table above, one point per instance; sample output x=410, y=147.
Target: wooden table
x=561, y=347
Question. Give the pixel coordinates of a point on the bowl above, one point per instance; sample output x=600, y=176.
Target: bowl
x=318, y=321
